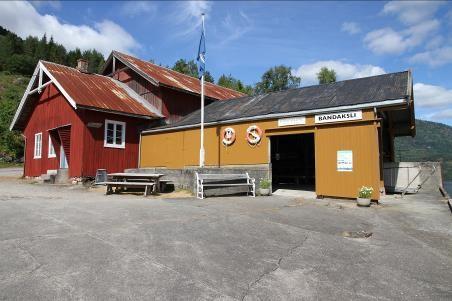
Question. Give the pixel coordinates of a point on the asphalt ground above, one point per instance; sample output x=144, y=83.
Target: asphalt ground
x=69, y=243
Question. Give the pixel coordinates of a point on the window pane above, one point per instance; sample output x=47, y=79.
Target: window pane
x=119, y=134
x=110, y=132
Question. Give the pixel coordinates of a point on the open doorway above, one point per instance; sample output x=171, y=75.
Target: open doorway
x=293, y=162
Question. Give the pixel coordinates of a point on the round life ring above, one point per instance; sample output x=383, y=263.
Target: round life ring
x=228, y=136
x=253, y=134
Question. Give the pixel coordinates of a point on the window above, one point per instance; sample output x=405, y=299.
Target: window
x=51, y=153
x=115, y=134
x=38, y=146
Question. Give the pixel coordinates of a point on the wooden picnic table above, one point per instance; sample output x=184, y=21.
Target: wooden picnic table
x=133, y=177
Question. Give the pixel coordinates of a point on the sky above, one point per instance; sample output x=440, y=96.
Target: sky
x=245, y=39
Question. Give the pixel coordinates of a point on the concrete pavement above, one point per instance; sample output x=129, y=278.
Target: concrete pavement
x=68, y=243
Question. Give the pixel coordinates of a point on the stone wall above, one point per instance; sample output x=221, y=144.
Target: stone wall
x=186, y=178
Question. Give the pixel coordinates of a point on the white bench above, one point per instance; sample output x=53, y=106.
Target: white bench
x=221, y=180
x=147, y=186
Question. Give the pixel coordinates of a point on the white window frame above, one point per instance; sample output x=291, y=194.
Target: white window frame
x=123, y=134
x=51, y=149
x=37, y=150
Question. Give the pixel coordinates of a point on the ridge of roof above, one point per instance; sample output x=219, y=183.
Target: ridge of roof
x=212, y=85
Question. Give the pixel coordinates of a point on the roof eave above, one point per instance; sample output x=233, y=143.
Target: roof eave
x=118, y=112
x=384, y=103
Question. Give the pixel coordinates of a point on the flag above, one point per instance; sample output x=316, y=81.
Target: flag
x=202, y=53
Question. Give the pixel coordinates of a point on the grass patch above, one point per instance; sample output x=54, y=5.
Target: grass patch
x=10, y=164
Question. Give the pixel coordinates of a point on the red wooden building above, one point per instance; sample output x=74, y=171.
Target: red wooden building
x=82, y=122
x=172, y=93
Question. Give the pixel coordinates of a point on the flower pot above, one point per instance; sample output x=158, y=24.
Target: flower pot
x=264, y=191
x=363, y=202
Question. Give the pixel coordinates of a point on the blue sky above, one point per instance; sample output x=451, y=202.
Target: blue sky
x=246, y=38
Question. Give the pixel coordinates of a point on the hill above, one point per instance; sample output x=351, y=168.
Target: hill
x=433, y=142
x=12, y=88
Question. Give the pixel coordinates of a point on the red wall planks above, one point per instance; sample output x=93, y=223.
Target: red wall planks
x=173, y=104
x=87, y=152
x=96, y=156
x=51, y=111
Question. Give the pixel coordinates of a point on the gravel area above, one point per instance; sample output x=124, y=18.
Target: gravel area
x=70, y=243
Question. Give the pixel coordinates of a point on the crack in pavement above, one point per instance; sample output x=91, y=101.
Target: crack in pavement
x=267, y=272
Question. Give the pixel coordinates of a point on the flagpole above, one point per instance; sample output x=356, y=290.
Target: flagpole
x=201, y=150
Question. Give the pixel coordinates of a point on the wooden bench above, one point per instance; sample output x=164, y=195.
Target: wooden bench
x=221, y=180
x=148, y=186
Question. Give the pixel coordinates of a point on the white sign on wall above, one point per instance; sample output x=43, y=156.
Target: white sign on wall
x=345, y=160
x=292, y=121
x=336, y=117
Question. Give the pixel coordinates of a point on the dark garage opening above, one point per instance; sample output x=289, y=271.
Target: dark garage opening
x=293, y=162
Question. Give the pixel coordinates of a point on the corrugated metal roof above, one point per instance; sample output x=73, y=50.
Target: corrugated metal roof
x=98, y=91
x=361, y=91
x=171, y=78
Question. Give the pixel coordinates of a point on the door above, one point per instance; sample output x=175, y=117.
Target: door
x=63, y=159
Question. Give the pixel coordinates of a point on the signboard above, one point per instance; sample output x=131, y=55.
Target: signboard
x=337, y=117
x=345, y=160
x=292, y=121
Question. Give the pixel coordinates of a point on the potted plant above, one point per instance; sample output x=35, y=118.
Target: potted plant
x=364, y=195
x=264, y=187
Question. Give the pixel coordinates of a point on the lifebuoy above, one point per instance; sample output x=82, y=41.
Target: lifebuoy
x=228, y=136
x=253, y=134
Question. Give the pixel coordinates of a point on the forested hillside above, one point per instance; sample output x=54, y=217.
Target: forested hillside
x=433, y=142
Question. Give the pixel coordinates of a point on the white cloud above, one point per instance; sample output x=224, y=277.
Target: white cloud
x=308, y=72
x=136, y=8
x=187, y=16
x=385, y=40
x=412, y=12
x=436, y=57
x=388, y=41
x=23, y=19
x=430, y=96
x=234, y=27
x=351, y=28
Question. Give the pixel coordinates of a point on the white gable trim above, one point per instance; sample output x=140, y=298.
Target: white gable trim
x=37, y=75
x=66, y=95
x=24, y=97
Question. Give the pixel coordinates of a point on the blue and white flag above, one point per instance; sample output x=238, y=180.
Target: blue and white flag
x=202, y=53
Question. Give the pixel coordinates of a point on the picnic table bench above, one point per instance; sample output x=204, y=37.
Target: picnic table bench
x=224, y=180
x=120, y=180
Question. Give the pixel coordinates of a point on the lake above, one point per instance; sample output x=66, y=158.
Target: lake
x=448, y=187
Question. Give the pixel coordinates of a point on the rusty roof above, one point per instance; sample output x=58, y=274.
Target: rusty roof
x=167, y=77
x=98, y=91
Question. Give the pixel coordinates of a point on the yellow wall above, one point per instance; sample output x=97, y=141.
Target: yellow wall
x=179, y=149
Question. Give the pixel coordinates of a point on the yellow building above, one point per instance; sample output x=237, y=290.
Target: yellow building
x=331, y=138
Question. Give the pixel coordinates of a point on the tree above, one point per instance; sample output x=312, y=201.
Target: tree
x=190, y=68
x=326, y=76
x=277, y=78
x=228, y=81
x=208, y=77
